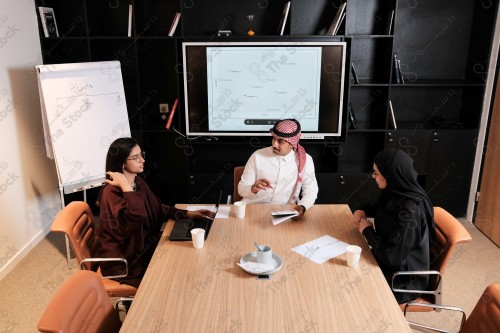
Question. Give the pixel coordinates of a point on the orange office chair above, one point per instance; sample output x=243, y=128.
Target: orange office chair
x=77, y=222
x=484, y=318
x=238, y=171
x=449, y=232
x=80, y=305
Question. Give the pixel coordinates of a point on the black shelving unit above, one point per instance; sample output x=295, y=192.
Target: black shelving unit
x=443, y=48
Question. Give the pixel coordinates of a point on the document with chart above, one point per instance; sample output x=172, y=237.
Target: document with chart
x=321, y=249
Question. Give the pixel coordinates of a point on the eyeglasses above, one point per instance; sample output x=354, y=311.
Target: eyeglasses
x=137, y=156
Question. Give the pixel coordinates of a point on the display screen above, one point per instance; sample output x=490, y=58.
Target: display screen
x=243, y=88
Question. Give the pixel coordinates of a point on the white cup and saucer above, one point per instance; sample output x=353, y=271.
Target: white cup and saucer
x=261, y=262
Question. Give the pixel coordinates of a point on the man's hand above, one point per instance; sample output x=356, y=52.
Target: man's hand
x=261, y=184
x=301, y=211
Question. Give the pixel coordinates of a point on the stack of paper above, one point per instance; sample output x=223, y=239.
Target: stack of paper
x=283, y=215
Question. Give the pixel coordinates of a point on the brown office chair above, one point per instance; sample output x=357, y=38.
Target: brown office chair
x=449, y=232
x=484, y=318
x=77, y=222
x=238, y=171
x=80, y=305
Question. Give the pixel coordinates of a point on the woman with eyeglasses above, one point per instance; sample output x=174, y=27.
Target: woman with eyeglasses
x=130, y=214
x=403, y=226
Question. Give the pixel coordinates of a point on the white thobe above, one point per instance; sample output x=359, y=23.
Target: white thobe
x=282, y=172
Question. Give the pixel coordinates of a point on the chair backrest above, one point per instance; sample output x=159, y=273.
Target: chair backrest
x=77, y=222
x=80, y=305
x=238, y=171
x=485, y=317
x=449, y=233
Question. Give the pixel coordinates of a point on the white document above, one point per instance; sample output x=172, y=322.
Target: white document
x=283, y=215
x=321, y=249
x=255, y=267
x=223, y=212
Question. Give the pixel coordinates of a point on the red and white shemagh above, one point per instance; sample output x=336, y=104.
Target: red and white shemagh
x=284, y=130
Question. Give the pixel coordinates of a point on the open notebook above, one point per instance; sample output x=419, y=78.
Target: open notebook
x=283, y=215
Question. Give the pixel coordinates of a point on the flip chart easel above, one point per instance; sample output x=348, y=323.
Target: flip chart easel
x=83, y=110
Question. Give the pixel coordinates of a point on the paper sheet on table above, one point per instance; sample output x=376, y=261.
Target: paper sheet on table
x=321, y=249
x=255, y=267
x=223, y=212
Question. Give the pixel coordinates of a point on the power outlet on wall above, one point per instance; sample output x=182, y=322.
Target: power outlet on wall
x=163, y=108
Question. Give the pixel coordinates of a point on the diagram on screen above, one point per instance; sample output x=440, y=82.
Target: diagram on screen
x=250, y=89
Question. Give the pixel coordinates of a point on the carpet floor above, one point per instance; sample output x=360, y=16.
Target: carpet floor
x=27, y=289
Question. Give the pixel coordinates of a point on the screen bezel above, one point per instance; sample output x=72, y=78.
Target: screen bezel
x=320, y=134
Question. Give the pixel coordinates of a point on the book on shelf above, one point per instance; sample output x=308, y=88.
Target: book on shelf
x=396, y=66
x=175, y=22
x=129, y=32
x=340, y=24
x=48, y=19
x=393, y=119
x=339, y=17
x=284, y=17
x=354, y=74
x=388, y=29
x=352, y=117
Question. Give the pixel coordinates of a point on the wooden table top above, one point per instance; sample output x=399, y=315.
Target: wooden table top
x=203, y=290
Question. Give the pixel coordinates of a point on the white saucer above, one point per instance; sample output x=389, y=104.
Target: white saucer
x=249, y=264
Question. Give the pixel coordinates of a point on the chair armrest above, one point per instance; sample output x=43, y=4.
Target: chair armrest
x=436, y=292
x=436, y=307
x=401, y=273
x=121, y=300
x=107, y=260
x=121, y=306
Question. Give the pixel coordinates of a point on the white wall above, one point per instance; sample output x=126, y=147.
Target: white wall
x=29, y=197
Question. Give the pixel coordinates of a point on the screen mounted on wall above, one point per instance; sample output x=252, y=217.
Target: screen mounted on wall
x=243, y=88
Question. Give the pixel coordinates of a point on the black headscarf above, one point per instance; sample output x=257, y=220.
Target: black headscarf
x=397, y=168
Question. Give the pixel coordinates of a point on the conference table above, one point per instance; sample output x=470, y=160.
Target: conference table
x=203, y=290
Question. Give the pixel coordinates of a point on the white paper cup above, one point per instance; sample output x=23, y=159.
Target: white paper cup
x=198, y=236
x=240, y=208
x=353, y=255
x=266, y=255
